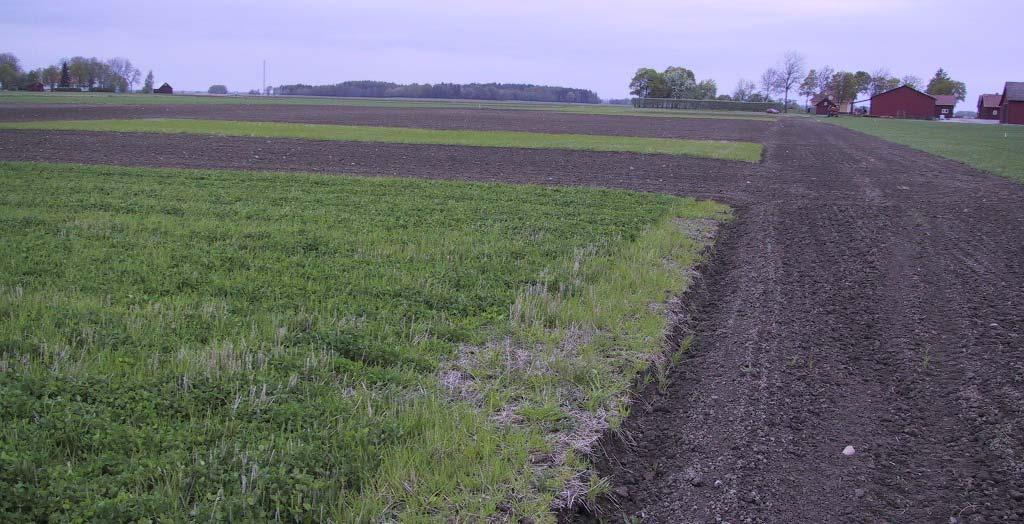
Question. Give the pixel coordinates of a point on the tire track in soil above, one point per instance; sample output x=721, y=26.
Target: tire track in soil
x=868, y=294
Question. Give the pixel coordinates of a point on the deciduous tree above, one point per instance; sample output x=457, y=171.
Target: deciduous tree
x=844, y=86
x=788, y=75
x=646, y=81
x=680, y=82
x=825, y=75
x=706, y=89
x=10, y=71
x=942, y=84
x=809, y=87
x=882, y=81
x=51, y=76
x=744, y=90
x=769, y=82
x=911, y=81
x=147, y=85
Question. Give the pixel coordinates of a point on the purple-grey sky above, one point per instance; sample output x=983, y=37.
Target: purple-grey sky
x=593, y=44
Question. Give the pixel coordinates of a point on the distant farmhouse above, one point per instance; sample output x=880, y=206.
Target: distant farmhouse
x=988, y=106
x=944, y=105
x=823, y=103
x=165, y=89
x=1011, y=104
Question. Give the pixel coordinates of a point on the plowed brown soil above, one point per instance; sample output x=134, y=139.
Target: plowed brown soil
x=867, y=295
x=467, y=119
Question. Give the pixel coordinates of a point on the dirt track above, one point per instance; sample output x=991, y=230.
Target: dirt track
x=868, y=295
x=472, y=119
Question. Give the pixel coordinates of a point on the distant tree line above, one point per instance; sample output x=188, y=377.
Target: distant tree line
x=375, y=89
x=72, y=74
x=788, y=77
x=844, y=85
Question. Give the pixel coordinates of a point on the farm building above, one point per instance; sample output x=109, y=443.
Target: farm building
x=1011, y=104
x=988, y=106
x=944, y=105
x=822, y=103
x=35, y=86
x=165, y=89
x=903, y=102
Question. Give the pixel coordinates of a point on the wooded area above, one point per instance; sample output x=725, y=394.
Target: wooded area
x=72, y=74
x=491, y=91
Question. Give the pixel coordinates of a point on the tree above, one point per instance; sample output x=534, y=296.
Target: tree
x=769, y=82
x=825, y=75
x=744, y=90
x=50, y=76
x=942, y=84
x=31, y=77
x=788, y=74
x=706, y=89
x=646, y=83
x=65, y=76
x=10, y=71
x=217, y=89
x=122, y=75
x=863, y=81
x=882, y=81
x=809, y=87
x=679, y=82
x=911, y=81
x=843, y=86
x=147, y=86
x=133, y=77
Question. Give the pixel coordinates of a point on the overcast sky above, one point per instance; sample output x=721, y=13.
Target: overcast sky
x=592, y=44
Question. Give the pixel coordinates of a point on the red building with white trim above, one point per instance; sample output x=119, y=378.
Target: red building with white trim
x=945, y=105
x=988, y=106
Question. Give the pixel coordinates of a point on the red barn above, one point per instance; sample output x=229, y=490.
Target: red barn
x=35, y=86
x=944, y=105
x=1011, y=105
x=988, y=106
x=165, y=89
x=903, y=102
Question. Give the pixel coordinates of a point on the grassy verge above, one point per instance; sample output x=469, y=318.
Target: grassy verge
x=993, y=148
x=141, y=99
x=725, y=150
x=245, y=346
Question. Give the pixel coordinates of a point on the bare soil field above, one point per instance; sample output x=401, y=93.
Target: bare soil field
x=463, y=119
x=868, y=295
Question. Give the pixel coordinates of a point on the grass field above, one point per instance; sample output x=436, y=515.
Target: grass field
x=993, y=148
x=743, y=151
x=210, y=345
x=141, y=99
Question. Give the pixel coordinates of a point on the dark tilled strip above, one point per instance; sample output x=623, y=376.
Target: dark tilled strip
x=466, y=119
x=655, y=173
